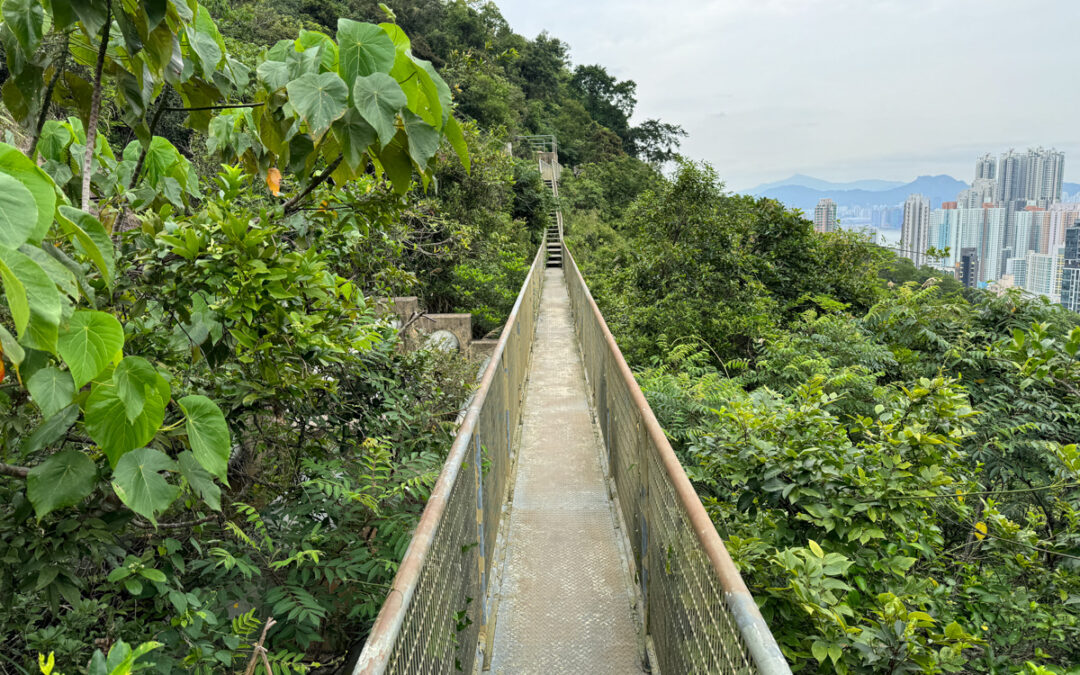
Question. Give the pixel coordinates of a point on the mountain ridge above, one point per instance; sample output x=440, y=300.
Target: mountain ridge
x=939, y=188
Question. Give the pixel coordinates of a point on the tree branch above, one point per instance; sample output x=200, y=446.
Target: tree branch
x=14, y=471
x=146, y=148
x=48, y=97
x=95, y=107
x=223, y=106
x=291, y=206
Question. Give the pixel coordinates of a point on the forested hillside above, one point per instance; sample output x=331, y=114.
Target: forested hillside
x=210, y=439
x=891, y=462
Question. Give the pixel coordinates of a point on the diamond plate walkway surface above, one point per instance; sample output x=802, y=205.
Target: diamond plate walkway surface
x=566, y=603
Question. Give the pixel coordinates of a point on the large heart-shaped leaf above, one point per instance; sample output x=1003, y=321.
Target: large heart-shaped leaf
x=138, y=482
x=363, y=49
x=18, y=212
x=21, y=168
x=51, y=389
x=423, y=139
x=199, y=479
x=64, y=479
x=208, y=434
x=38, y=318
x=135, y=379
x=26, y=20
x=90, y=238
x=355, y=136
x=319, y=99
x=457, y=142
x=91, y=340
x=378, y=98
x=108, y=425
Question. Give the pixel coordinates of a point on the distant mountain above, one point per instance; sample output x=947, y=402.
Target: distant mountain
x=803, y=180
x=937, y=188
x=1070, y=188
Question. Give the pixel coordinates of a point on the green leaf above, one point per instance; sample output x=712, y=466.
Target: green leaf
x=50, y=431
x=138, y=482
x=319, y=100
x=457, y=142
x=12, y=350
x=363, y=49
x=423, y=139
x=816, y=549
x=133, y=585
x=21, y=168
x=954, y=631
x=199, y=479
x=395, y=161
x=206, y=49
x=135, y=380
x=820, y=650
x=378, y=98
x=15, y=294
x=90, y=238
x=835, y=652
x=42, y=300
x=91, y=340
x=208, y=434
x=153, y=575
x=64, y=479
x=107, y=423
x=355, y=136
x=18, y=212
x=118, y=574
x=26, y=19
x=52, y=390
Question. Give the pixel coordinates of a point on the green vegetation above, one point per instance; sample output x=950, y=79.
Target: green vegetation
x=212, y=446
x=891, y=463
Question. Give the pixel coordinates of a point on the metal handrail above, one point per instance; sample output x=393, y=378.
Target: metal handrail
x=646, y=471
x=451, y=570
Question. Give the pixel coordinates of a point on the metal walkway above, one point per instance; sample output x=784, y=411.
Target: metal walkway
x=566, y=602
x=581, y=547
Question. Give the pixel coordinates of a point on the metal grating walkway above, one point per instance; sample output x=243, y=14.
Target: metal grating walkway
x=566, y=602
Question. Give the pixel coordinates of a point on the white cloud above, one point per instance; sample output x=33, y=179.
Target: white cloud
x=844, y=89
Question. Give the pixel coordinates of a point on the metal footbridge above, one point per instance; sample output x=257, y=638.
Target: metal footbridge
x=563, y=535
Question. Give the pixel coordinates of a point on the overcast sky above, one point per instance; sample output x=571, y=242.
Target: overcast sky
x=838, y=89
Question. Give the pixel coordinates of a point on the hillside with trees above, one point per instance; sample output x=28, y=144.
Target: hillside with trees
x=213, y=448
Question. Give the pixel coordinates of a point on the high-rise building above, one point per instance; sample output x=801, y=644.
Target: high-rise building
x=1043, y=176
x=1032, y=176
x=944, y=233
x=1070, y=269
x=985, y=167
x=1011, y=176
x=915, y=230
x=967, y=267
x=1041, y=274
x=1060, y=217
x=825, y=216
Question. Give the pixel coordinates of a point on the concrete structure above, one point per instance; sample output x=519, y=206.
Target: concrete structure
x=915, y=232
x=945, y=233
x=825, y=216
x=1070, y=274
x=986, y=167
x=1032, y=176
x=1042, y=276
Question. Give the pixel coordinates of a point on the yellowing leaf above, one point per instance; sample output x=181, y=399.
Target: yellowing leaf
x=980, y=531
x=816, y=549
x=273, y=180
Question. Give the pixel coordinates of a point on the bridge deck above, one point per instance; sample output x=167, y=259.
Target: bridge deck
x=566, y=602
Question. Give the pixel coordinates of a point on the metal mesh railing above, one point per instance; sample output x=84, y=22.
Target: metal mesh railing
x=698, y=611
x=432, y=618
